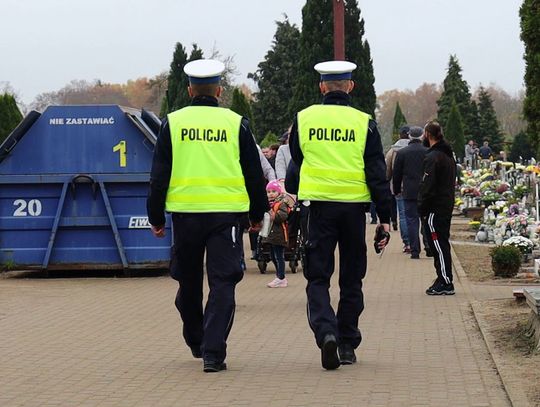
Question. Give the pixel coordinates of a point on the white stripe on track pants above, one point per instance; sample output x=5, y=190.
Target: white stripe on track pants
x=437, y=230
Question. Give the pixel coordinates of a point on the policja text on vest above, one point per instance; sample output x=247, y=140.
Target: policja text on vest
x=203, y=135
x=331, y=134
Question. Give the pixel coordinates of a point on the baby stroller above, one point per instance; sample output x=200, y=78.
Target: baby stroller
x=294, y=252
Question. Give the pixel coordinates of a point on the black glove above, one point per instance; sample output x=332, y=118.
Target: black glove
x=380, y=235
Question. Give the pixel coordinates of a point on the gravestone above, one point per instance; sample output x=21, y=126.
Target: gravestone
x=537, y=266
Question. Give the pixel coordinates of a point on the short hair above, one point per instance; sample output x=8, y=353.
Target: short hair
x=341, y=85
x=434, y=129
x=274, y=147
x=204, y=89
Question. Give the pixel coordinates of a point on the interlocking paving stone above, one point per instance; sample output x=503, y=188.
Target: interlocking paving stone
x=117, y=342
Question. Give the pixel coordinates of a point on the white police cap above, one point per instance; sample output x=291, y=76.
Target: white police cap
x=335, y=70
x=203, y=71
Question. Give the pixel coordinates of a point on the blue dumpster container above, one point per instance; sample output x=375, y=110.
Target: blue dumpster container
x=73, y=187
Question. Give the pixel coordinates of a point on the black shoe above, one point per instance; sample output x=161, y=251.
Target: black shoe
x=394, y=225
x=441, y=289
x=329, y=355
x=213, y=367
x=429, y=253
x=196, y=352
x=435, y=282
x=415, y=256
x=346, y=354
x=373, y=222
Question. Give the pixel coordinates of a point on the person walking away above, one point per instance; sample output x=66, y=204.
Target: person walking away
x=206, y=172
x=406, y=181
x=339, y=152
x=390, y=159
x=436, y=202
x=283, y=157
x=278, y=236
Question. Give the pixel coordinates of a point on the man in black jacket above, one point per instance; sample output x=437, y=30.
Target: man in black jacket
x=436, y=202
x=406, y=181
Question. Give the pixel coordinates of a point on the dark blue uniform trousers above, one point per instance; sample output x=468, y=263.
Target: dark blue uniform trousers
x=217, y=234
x=332, y=223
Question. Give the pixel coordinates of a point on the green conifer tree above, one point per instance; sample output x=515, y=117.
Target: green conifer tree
x=240, y=104
x=317, y=45
x=358, y=51
x=453, y=131
x=456, y=90
x=275, y=78
x=10, y=115
x=3, y=118
x=177, y=95
x=474, y=129
x=399, y=121
x=530, y=35
x=269, y=139
x=521, y=148
x=489, y=126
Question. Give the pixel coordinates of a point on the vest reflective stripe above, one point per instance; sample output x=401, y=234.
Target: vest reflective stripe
x=208, y=198
x=206, y=174
x=333, y=139
x=202, y=181
x=317, y=172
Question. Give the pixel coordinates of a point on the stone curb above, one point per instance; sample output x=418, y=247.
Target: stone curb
x=515, y=395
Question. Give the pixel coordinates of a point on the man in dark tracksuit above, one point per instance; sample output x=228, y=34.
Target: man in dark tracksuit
x=407, y=174
x=435, y=203
x=338, y=150
x=206, y=171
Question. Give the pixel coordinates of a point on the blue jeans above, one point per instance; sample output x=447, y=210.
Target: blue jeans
x=373, y=213
x=402, y=221
x=278, y=258
x=413, y=225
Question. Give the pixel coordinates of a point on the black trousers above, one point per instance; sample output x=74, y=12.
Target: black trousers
x=437, y=230
x=217, y=234
x=329, y=224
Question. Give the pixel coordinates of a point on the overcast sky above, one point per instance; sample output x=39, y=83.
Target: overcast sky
x=44, y=44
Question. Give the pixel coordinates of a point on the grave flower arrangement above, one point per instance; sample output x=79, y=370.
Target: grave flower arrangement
x=524, y=245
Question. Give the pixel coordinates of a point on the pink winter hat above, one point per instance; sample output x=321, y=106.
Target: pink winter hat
x=274, y=185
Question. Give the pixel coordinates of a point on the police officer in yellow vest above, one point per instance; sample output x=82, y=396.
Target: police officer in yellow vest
x=206, y=172
x=342, y=169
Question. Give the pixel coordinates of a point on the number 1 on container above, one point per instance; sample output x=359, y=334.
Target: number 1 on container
x=121, y=147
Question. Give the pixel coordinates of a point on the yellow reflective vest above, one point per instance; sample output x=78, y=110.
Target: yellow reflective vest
x=333, y=139
x=206, y=175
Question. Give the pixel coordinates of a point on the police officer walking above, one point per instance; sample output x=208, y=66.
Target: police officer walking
x=342, y=169
x=206, y=172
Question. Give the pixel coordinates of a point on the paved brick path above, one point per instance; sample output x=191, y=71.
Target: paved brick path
x=116, y=342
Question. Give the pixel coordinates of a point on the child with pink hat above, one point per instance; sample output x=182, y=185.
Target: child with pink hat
x=278, y=236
